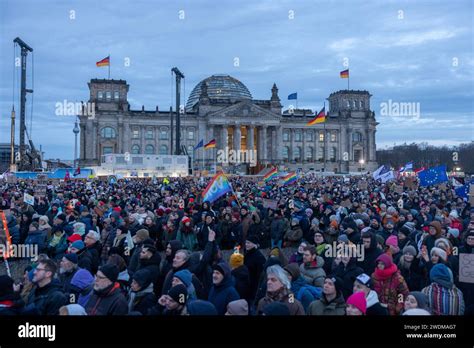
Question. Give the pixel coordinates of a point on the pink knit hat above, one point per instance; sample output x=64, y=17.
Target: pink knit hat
x=385, y=259
x=392, y=240
x=358, y=301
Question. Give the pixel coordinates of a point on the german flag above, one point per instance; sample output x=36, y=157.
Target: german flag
x=211, y=144
x=320, y=117
x=344, y=74
x=103, y=62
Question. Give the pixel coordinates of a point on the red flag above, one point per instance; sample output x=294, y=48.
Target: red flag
x=419, y=170
x=77, y=172
x=67, y=177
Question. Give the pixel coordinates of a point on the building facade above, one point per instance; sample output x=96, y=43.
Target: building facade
x=221, y=107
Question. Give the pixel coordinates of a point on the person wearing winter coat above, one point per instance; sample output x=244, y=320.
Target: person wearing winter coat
x=186, y=234
x=225, y=226
x=255, y=261
x=312, y=267
x=150, y=260
x=223, y=291
x=348, y=271
x=167, y=262
x=389, y=284
x=119, y=243
x=81, y=287
x=277, y=229
x=46, y=296
x=331, y=301
x=444, y=298
x=107, y=298
x=14, y=229
x=36, y=237
x=297, y=256
x=57, y=245
x=434, y=234
x=44, y=225
x=185, y=277
x=67, y=268
x=278, y=290
x=411, y=270
x=294, y=234
x=371, y=252
x=298, y=285
x=240, y=273
x=141, y=296
x=363, y=283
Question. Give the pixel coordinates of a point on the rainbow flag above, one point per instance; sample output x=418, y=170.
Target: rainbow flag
x=103, y=62
x=270, y=175
x=211, y=144
x=217, y=187
x=290, y=178
x=320, y=117
x=344, y=74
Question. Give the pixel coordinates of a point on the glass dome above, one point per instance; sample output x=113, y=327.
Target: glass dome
x=219, y=87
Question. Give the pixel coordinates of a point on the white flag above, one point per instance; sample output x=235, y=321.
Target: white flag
x=387, y=177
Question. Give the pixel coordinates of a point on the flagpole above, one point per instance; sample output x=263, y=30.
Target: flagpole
x=109, y=66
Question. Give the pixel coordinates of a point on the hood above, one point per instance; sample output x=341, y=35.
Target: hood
x=175, y=246
x=11, y=220
x=155, y=259
x=124, y=276
x=201, y=307
x=82, y=279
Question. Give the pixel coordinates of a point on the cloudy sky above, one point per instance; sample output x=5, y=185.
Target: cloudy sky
x=400, y=51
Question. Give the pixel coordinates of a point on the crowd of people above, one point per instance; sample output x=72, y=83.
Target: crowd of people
x=147, y=247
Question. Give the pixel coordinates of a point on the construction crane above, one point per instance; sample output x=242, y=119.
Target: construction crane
x=29, y=160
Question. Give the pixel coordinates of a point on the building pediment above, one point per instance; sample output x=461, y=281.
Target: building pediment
x=243, y=110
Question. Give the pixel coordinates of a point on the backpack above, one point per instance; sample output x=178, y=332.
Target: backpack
x=314, y=291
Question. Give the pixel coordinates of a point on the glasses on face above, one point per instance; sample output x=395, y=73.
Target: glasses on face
x=40, y=269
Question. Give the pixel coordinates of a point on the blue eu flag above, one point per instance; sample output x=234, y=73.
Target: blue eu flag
x=433, y=176
x=463, y=191
x=293, y=96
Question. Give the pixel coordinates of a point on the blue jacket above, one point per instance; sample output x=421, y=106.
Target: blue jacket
x=13, y=229
x=224, y=293
x=39, y=238
x=307, y=297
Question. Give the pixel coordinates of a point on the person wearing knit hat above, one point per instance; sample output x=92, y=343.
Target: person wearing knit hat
x=175, y=301
x=77, y=246
x=363, y=283
x=393, y=249
x=185, y=277
x=389, y=284
x=444, y=298
x=356, y=304
x=343, y=239
x=453, y=233
x=141, y=236
x=253, y=239
x=416, y=299
x=107, y=297
x=438, y=253
x=434, y=231
x=238, y=307
x=444, y=244
x=223, y=290
x=331, y=301
x=140, y=295
x=74, y=237
x=236, y=260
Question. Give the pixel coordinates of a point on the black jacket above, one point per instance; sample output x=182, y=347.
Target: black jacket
x=348, y=274
x=370, y=255
x=109, y=301
x=152, y=265
x=415, y=276
x=254, y=260
x=242, y=281
x=46, y=300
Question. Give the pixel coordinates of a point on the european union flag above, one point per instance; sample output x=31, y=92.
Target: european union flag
x=293, y=96
x=463, y=191
x=201, y=144
x=432, y=176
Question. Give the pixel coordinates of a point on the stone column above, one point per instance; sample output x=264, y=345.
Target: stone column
x=374, y=146
x=250, y=136
x=237, y=137
x=279, y=143
x=82, y=141
x=263, y=140
x=95, y=134
x=224, y=135
x=142, y=140
x=367, y=146
x=303, y=154
x=210, y=135
x=349, y=147
x=120, y=138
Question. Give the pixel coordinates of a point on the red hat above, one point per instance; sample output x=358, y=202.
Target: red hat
x=117, y=209
x=74, y=237
x=185, y=219
x=160, y=212
x=385, y=259
x=358, y=301
x=167, y=210
x=191, y=200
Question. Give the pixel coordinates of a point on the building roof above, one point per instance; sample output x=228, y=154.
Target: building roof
x=219, y=87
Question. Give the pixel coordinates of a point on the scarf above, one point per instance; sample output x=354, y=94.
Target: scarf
x=280, y=295
x=387, y=272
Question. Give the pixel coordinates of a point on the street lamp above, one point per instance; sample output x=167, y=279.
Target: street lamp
x=361, y=162
x=76, y=132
